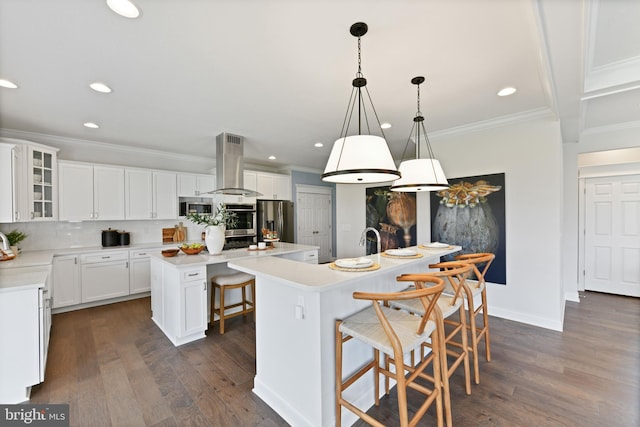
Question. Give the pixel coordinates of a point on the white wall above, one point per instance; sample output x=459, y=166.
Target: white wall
x=530, y=155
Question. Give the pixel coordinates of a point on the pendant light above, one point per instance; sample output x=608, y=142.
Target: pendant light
x=420, y=174
x=360, y=159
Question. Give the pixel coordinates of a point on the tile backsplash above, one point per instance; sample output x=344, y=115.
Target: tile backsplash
x=65, y=235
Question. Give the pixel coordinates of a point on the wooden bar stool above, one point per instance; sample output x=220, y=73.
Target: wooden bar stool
x=396, y=334
x=454, y=273
x=473, y=288
x=232, y=281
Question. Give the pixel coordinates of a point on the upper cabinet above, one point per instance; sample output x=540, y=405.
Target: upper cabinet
x=90, y=192
x=273, y=186
x=195, y=185
x=29, y=182
x=150, y=194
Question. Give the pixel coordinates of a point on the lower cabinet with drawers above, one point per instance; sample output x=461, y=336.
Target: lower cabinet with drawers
x=87, y=279
x=179, y=301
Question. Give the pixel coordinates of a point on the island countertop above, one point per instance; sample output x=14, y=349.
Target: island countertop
x=321, y=277
x=204, y=258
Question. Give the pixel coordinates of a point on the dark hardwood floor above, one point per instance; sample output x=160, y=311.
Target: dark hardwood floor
x=114, y=367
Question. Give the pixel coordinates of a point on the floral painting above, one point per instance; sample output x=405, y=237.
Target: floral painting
x=393, y=214
x=471, y=214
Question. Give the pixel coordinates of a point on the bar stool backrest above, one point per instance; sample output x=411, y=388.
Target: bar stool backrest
x=477, y=260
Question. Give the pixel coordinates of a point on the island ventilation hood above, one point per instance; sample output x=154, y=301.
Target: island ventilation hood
x=230, y=166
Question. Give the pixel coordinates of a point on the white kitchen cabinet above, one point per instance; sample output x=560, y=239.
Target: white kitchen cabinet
x=8, y=186
x=273, y=186
x=28, y=184
x=104, y=275
x=179, y=301
x=42, y=179
x=195, y=185
x=90, y=192
x=20, y=335
x=66, y=281
x=150, y=194
x=139, y=270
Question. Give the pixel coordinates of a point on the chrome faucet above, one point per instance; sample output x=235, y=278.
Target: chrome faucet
x=363, y=237
x=5, y=242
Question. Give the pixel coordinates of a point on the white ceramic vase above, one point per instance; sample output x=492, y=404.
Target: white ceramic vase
x=214, y=238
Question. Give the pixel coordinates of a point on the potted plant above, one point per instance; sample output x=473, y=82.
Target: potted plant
x=15, y=237
x=215, y=226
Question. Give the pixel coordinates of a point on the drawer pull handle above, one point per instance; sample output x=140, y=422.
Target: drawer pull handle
x=192, y=274
x=142, y=253
x=106, y=257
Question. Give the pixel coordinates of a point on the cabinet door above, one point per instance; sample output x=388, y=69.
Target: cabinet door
x=105, y=280
x=108, y=193
x=138, y=194
x=187, y=185
x=43, y=176
x=250, y=180
x=194, y=307
x=7, y=188
x=264, y=185
x=139, y=275
x=165, y=195
x=76, y=192
x=66, y=281
x=205, y=183
x=282, y=187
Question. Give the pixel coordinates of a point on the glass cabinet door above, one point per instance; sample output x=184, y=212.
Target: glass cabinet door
x=43, y=171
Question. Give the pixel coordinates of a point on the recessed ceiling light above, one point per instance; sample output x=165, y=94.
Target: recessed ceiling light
x=507, y=91
x=385, y=125
x=8, y=84
x=100, y=87
x=318, y=144
x=124, y=8
x=272, y=157
x=91, y=125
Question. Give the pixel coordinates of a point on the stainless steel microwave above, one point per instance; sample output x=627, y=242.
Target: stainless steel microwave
x=202, y=208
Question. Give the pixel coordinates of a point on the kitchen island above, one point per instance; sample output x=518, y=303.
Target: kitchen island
x=297, y=305
x=180, y=285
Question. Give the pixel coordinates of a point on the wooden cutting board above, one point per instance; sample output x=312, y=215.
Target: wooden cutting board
x=167, y=234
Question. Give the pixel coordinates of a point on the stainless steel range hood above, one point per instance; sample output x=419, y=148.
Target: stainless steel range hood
x=230, y=166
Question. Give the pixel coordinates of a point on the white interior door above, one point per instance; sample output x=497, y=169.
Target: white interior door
x=612, y=235
x=314, y=222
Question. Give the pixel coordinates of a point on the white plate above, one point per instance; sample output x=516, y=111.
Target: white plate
x=437, y=245
x=354, y=262
x=400, y=252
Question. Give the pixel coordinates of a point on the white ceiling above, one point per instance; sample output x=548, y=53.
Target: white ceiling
x=279, y=72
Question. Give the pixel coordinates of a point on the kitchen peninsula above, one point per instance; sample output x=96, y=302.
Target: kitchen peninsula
x=180, y=285
x=297, y=305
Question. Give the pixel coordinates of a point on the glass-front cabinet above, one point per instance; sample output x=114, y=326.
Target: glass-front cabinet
x=42, y=179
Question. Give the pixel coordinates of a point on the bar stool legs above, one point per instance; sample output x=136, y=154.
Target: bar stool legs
x=232, y=281
x=472, y=290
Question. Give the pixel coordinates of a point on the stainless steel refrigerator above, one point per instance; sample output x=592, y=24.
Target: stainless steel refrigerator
x=276, y=215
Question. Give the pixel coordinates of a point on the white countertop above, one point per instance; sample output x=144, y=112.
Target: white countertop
x=184, y=260
x=320, y=276
x=23, y=277
x=29, y=259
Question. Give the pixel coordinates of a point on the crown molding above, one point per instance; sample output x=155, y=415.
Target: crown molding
x=611, y=128
x=527, y=116
x=57, y=141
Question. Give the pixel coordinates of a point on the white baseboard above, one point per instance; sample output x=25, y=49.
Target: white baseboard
x=524, y=318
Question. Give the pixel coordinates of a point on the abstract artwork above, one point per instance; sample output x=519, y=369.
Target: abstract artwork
x=471, y=214
x=393, y=214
